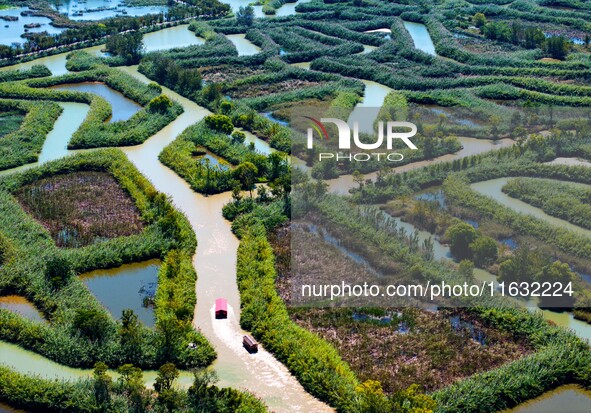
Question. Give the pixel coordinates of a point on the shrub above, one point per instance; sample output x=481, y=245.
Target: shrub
x=219, y=123
x=460, y=236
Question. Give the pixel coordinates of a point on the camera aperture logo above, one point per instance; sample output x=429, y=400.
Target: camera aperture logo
x=366, y=151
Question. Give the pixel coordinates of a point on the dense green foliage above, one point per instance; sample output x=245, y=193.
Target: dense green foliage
x=14, y=75
x=24, y=144
x=126, y=394
x=314, y=362
x=184, y=157
x=127, y=46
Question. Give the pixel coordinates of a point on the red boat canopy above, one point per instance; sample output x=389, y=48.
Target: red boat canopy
x=221, y=305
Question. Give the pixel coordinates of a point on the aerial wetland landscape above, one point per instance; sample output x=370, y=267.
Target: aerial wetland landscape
x=171, y=182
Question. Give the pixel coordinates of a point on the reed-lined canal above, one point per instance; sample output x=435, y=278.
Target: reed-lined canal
x=122, y=107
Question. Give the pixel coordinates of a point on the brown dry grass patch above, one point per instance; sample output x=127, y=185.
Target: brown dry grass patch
x=81, y=208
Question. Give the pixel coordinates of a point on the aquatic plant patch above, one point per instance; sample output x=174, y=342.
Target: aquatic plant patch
x=81, y=208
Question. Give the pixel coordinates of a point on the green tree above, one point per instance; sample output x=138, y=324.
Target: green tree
x=245, y=15
x=460, y=236
x=219, y=123
x=131, y=383
x=129, y=46
x=524, y=265
x=358, y=178
x=412, y=400
x=92, y=324
x=200, y=395
x=212, y=92
x=557, y=47
x=238, y=137
x=102, y=384
x=553, y=273
x=160, y=104
x=246, y=173
x=58, y=271
x=167, y=374
x=497, y=31
x=466, y=269
x=130, y=333
x=168, y=397
x=370, y=398
x=484, y=251
x=479, y=20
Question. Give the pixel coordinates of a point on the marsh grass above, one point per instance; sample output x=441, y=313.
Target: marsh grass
x=10, y=122
x=81, y=208
x=432, y=352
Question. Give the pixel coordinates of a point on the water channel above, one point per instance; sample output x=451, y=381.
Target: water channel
x=122, y=107
x=244, y=46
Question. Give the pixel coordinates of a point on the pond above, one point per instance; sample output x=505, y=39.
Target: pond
x=171, y=38
x=102, y=9
x=421, y=37
x=244, y=46
x=570, y=398
x=20, y=305
x=11, y=31
x=122, y=107
x=213, y=160
x=126, y=287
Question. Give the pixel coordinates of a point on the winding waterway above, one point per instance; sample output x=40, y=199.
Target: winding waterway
x=215, y=263
x=470, y=146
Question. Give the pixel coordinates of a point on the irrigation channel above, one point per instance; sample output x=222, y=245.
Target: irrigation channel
x=215, y=258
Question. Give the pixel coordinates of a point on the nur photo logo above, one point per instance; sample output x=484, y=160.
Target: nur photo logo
x=388, y=132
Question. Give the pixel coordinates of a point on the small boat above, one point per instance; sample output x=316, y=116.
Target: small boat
x=250, y=344
x=221, y=308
